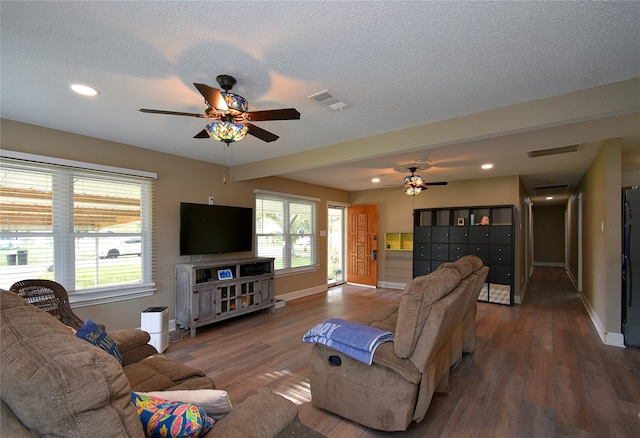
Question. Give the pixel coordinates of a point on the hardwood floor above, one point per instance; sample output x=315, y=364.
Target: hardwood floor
x=539, y=369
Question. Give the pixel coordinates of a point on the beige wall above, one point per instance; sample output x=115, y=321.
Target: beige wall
x=573, y=239
x=548, y=235
x=179, y=179
x=524, y=245
x=631, y=177
x=601, y=238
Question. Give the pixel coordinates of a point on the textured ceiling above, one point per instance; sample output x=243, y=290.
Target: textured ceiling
x=400, y=65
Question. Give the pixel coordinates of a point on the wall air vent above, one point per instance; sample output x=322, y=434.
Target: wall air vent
x=554, y=151
x=551, y=190
x=329, y=99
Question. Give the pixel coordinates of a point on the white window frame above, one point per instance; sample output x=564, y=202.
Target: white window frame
x=314, y=252
x=66, y=275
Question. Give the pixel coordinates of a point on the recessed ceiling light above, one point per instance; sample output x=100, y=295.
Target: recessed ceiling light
x=487, y=166
x=375, y=180
x=549, y=198
x=84, y=90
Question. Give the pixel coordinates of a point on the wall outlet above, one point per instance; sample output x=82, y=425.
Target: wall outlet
x=211, y=200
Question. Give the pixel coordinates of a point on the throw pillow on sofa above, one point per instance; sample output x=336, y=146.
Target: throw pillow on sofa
x=215, y=402
x=93, y=334
x=169, y=419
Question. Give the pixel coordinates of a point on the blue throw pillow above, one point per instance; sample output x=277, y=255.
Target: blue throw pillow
x=93, y=334
x=170, y=419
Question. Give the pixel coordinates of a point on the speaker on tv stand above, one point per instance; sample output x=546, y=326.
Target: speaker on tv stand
x=155, y=321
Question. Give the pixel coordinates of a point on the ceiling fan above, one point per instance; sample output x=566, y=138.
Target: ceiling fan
x=231, y=114
x=414, y=184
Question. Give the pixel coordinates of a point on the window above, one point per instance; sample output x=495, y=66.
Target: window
x=286, y=230
x=84, y=226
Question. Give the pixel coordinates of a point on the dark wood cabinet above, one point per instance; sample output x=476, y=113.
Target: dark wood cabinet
x=446, y=234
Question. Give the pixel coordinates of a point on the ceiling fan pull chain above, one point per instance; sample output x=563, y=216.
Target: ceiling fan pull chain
x=231, y=164
x=224, y=162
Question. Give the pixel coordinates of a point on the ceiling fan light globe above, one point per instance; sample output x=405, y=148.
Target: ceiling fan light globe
x=413, y=180
x=412, y=191
x=227, y=132
x=237, y=104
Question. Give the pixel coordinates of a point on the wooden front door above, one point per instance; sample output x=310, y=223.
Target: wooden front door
x=363, y=245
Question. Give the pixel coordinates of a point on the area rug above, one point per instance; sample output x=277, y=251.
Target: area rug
x=299, y=430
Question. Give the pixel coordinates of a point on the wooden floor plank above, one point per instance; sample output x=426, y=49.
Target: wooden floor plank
x=539, y=383
x=539, y=369
x=535, y=421
x=570, y=400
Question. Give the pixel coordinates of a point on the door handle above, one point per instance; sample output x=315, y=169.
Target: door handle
x=374, y=254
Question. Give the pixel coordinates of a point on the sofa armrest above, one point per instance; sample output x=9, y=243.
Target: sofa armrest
x=386, y=357
x=133, y=344
x=262, y=415
x=126, y=339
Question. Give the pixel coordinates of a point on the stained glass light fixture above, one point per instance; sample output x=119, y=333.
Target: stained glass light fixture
x=237, y=104
x=226, y=130
x=413, y=184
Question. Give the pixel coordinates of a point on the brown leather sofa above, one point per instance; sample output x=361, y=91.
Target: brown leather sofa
x=55, y=384
x=429, y=330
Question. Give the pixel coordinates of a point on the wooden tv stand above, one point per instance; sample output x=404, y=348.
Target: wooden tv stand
x=202, y=298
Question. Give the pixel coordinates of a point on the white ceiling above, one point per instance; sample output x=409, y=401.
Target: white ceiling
x=449, y=85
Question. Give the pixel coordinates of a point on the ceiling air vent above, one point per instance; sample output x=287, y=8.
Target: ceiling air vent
x=329, y=99
x=551, y=190
x=554, y=151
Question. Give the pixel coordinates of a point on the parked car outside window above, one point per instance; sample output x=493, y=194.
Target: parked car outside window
x=130, y=246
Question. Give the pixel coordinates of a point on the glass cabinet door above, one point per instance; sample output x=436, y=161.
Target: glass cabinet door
x=228, y=298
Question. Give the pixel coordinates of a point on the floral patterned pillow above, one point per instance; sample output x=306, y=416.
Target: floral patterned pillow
x=169, y=419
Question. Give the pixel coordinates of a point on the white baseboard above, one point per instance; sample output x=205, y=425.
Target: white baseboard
x=303, y=293
x=572, y=278
x=608, y=338
x=552, y=264
x=391, y=285
x=518, y=298
x=360, y=284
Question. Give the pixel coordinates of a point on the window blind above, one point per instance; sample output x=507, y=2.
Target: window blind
x=286, y=231
x=88, y=229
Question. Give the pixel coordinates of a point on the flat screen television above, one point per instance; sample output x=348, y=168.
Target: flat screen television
x=215, y=229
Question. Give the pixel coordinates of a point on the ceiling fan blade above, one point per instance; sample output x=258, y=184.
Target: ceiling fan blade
x=202, y=134
x=261, y=133
x=174, y=113
x=213, y=96
x=442, y=183
x=276, y=114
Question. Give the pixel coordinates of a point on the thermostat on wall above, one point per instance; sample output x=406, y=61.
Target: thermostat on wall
x=224, y=274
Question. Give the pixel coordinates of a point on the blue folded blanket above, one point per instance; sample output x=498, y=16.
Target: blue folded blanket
x=358, y=341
